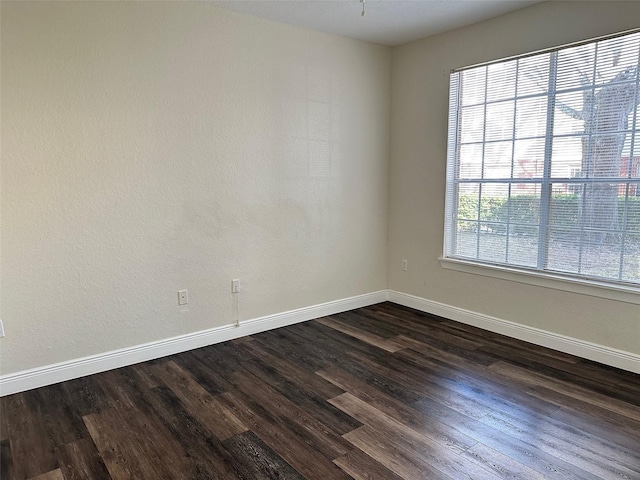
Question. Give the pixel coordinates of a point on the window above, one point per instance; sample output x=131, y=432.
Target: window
x=543, y=163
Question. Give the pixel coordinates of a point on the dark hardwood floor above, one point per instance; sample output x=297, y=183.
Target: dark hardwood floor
x=382, y=392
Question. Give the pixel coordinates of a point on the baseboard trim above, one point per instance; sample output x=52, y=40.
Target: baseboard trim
x=47, y=375
x=592, y=351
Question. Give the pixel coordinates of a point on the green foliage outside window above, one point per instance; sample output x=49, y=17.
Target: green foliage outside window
x=522, y=212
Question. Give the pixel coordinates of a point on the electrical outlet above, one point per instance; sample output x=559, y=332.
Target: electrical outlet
x=235, y=286
x=1, y=329
x=405, y=264
x=183, y=297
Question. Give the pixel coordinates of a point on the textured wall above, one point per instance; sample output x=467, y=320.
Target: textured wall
x=149, y=147
x=420, y=83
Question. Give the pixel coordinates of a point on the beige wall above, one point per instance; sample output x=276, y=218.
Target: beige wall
x=149, y=147
x=417, y=172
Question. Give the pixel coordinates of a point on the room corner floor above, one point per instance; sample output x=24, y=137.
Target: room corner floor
x=380, y=392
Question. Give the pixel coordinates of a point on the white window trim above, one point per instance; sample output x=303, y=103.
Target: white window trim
x=592, y=288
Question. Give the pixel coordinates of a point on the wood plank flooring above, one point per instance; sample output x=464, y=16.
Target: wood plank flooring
x=382, y=392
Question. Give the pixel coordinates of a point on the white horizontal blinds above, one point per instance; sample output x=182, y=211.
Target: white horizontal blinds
x=544, y=161
x=593, y=213
x=500, y=160
x=450, y=214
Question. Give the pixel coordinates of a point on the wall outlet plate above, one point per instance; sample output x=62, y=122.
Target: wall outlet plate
x=183, y=297
x=1, y=329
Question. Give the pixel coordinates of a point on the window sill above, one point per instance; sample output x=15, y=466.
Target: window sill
x=591, y=288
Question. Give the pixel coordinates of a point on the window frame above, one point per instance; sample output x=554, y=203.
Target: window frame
x=540, y=275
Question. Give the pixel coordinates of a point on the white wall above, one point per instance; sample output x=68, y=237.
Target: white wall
x=149, y=147
x=418, y=162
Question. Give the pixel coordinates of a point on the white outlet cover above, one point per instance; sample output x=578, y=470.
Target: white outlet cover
x=1, y=329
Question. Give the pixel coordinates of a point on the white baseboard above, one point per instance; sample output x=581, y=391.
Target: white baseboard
x=59, y=372
x=592, y=351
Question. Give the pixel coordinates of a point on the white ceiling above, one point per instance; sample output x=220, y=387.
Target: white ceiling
x=387, y=22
